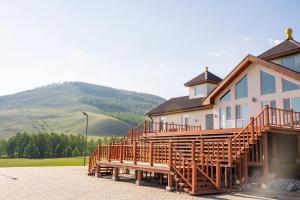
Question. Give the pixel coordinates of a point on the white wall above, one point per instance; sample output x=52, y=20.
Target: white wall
x=254, y=98
x=206, y=88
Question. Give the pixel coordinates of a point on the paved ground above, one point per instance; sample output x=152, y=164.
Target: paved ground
x=72, y=183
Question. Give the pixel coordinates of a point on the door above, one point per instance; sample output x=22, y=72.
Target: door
x=209, y=121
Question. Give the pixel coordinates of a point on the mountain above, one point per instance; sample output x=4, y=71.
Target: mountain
x=58, y=108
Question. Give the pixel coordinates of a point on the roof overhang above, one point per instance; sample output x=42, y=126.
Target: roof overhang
x=200, y=82
x=210, y=99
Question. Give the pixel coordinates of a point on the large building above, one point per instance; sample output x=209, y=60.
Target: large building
x=224, y=134
x=272, y=78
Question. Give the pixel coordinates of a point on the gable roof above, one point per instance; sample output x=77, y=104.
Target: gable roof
x=241, y=67
x=285, y=48
x=205, y=77
x=178, y=104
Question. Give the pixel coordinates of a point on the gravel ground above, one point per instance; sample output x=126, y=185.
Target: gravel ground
x=52, y=183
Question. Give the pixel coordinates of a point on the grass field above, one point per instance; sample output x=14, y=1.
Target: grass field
x=25, y=162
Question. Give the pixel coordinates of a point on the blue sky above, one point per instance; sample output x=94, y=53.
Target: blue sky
x=146, y=46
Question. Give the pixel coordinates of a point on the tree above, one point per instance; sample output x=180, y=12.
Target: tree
x=75, y=152
x=3, y=147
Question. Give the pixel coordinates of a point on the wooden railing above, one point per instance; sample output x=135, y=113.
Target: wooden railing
x=155, y=127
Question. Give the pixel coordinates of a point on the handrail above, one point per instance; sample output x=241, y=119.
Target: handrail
x=200, y=162
x=181, y=164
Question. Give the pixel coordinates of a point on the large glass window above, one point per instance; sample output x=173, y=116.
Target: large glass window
x=225, y=117
x=296, y=104
x=289, y=86
x=200, y=90
x=241, y=88
x=286, y=104
x=242, y=115
x=226, y=96
x=268, y=85
x=291, y=63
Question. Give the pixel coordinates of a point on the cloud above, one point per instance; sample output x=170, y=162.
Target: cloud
x=162, y=66
x=215, y=53
x=274, y=41
x=248, y=39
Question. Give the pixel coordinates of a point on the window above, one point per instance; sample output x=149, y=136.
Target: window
x=199, y=90
x=241, y=88
x=289, y=86
x=296, y=104
x=225, y=117
x=209, y=121
x=242, y=115
x=291, y=63
x=286, y=104
x=226, y=96
x=185, y=120
x=267, y=81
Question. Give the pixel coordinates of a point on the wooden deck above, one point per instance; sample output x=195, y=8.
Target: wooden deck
x=198, y=161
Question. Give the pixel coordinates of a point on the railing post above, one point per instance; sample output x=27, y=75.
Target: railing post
x=134, y=152
x=267, y=116
x=121, y=153
x=131, y=135
x=151, y=154
x=252, y=129
x=145, y=126
x=218, y=175
x=202, y=152
x=291, y=118
x=194, y=169
x=109, y=153
x=170, y=154
x=229, y=152
x=98, y=151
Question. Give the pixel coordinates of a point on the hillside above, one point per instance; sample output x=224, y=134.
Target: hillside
x=58, y=108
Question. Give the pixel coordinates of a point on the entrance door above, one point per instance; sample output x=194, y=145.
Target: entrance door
x=209, y=121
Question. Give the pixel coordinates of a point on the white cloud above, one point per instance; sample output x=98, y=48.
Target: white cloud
x=162, y=66
x=274, y=41
x=215, y=53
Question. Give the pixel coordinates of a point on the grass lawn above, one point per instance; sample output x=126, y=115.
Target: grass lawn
x=26, y=162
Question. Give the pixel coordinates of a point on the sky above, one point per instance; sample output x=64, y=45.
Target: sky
x=152, y=46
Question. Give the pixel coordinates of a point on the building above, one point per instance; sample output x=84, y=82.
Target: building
x=223, y=133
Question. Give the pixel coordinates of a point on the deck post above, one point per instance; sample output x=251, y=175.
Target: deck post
x=265, y=156
x=132, y=136
x=291, y=118
x=170, y=186
x=229, y=152
x=145, y=126
x=121, y=153
x=139, y=177
x=298, y=145
x=134, y=152
x=98, y=172
x=202, y=152
x=267, y=116
x=245, y=168
x=218, y=175
x=170, y=155
x=109, y=153
x=252, y=129
x=194, y=169
x=274, y=149
x=151, y=154
x=115, y=176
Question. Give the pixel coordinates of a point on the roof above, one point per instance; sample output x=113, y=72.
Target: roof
x=285, y=48
x=178, y=104
x=205, y=77
x=241, y=67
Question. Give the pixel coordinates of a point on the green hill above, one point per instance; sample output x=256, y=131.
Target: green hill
x=58, y=108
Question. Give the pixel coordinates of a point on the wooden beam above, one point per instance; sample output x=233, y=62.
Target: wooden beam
x=298, y=145
x=274, y=149
x=245, y=168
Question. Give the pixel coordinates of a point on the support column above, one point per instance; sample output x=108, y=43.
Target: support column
x=170, y=186
x=274, y=149
x=139, y=177
x=115, y=176
x=298, y=144
x=98, y=173
x=265, y=156
x=245, y=168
